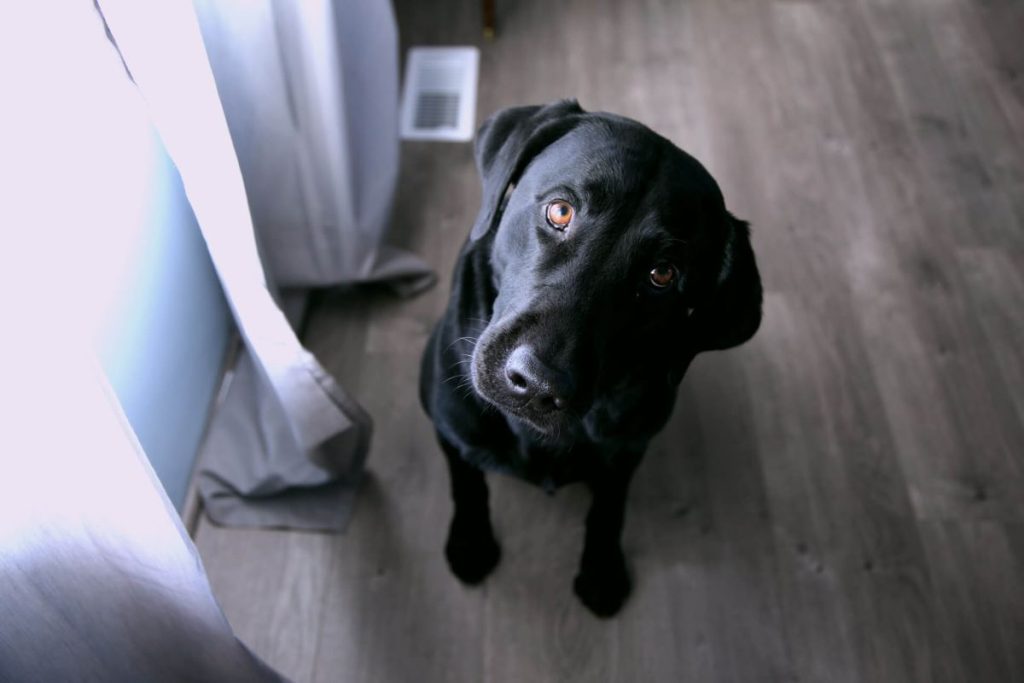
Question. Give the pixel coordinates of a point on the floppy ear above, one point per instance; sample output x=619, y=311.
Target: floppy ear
x=732, y=313
x=507, y=142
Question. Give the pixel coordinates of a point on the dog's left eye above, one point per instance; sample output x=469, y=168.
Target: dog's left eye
x=662, y=275
x=559, y=214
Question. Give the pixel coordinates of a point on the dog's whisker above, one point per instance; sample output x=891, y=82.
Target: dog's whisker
x=471, y=340
x=466, y=389
x=466, y=360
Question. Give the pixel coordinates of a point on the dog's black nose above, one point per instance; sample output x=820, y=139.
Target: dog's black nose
x=529, y=377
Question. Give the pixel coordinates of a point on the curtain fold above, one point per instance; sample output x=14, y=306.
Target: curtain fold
x=286, y=446
x=310, y=94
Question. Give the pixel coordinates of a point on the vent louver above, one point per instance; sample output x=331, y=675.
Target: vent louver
x=439, y=97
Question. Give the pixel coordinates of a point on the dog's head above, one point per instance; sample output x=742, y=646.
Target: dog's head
x=614, y=260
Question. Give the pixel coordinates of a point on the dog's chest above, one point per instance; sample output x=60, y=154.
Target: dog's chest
x=552, y=467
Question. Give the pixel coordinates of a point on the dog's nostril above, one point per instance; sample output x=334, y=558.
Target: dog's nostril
x=534, y=383
x=516, y=379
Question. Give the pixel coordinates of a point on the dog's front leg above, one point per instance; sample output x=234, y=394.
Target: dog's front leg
x=602, y=583
x=471, y=549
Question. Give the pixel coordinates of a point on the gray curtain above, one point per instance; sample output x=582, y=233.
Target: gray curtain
x=307, y=119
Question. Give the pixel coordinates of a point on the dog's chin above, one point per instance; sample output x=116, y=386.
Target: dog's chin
x=546, y=424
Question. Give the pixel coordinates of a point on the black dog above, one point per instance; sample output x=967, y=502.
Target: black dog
x=602, y=261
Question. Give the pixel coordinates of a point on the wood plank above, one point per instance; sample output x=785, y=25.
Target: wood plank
x=977, y=586
x=730, y=566
x=270, y=585
x=861, y=576
x=995, y=27
x=393, y=611
x=535, y=629
x=908, y=268
x=993, y=280
x=976, y=88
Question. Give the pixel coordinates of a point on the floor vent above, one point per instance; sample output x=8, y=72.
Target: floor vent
x=439, y=97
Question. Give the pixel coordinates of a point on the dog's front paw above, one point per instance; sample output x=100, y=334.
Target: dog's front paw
x=603, y=583
x=472, y=551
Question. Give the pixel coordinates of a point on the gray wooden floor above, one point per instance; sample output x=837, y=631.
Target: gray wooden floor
x=842, y=499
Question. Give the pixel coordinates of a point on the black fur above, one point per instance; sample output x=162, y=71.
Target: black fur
x=557, y=359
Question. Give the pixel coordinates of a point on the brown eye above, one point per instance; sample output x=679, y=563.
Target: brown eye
x=559, y=214
x=662, y=275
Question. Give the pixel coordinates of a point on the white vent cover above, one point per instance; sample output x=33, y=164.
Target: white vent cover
x=439, y=97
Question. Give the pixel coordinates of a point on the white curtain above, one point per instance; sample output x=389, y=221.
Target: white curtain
x=98, y=579
x=308, y=92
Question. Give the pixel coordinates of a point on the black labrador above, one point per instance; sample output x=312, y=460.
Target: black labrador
x=602, y=261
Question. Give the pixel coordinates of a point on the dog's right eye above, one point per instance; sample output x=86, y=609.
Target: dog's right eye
x=662, y=275
x=559, y=214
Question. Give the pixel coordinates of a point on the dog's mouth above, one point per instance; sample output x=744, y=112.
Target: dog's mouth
x=544, y=422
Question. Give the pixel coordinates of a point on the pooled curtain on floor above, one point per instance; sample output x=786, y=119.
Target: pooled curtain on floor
x=283, y=127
